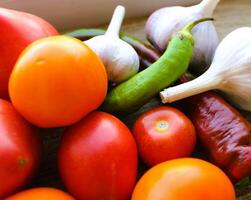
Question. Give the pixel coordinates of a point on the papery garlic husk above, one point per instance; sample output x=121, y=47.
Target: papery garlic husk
x=120, y=59
x=230, y=72
x=163, y=23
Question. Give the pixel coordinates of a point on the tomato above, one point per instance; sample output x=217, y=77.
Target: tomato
x=184, y=178
x=57, y=81
x=20, y=150
x=18, y=30
x=41, y=194
x=98, y=158
x=164, y=133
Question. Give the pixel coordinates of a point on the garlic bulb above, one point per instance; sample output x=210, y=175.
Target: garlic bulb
x=120, y=59
x=230, y=72
x=164, y=22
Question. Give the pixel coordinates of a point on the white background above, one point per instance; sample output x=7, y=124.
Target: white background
x=68, y=14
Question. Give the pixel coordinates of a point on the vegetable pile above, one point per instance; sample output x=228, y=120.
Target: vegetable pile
x=88, y=81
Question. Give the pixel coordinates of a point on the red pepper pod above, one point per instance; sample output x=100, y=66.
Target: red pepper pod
x=224, y=133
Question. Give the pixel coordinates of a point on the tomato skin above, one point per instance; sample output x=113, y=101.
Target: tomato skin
x=18, y=30
x=164, y=133
x=57, y=81
x=41, y=194
x=184, y=178
x=20, y=150
x=98, y=158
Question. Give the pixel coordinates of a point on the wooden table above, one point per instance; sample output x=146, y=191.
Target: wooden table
x=229, y=15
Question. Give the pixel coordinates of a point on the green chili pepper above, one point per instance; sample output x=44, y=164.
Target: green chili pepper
x=85, y=33
x=146, y=52
x=141, y=88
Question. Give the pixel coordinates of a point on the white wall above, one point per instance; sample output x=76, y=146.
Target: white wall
x=67, y=14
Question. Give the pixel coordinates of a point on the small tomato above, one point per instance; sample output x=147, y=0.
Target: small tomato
x=164, y=133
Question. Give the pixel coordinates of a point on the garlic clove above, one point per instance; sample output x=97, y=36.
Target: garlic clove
x=158, y=33
x=206, y=42
x=120, y=59
x=124, y=67
x=164, y=22
x=229, y=72
x=112, y=52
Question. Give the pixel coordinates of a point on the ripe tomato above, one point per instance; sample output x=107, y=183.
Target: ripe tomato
x=164, y=133
x=184, y=178
x=20, y=150
x=18, y=30
x=98, y=158
x=57, y=81
x=41, y=194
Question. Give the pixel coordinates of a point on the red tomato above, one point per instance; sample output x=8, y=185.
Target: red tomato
x=164, y=133
x=98, y=158
x=19, y=150
x=184, y=179
x=18, y=30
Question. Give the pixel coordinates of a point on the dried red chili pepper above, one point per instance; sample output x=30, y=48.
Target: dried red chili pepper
x=224, y=133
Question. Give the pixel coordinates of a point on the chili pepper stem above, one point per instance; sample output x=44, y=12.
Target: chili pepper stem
x=116, y=21
x=196, y=86
x=189, y=27
x=187, y=30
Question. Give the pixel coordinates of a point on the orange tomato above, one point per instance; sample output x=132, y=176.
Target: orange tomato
x=57, y=81
x=41, y=194
x=185, y=178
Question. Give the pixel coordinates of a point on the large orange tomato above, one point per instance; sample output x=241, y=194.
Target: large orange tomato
x=57, y=81
x=41, y=194
x=184, y=178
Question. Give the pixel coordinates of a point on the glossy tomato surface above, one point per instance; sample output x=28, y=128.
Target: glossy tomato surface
x=20, y=150
x=41, y=194
x=98, y=158
x=18, y=30
x=164, y=133
x=184, y=178
x=57, y=81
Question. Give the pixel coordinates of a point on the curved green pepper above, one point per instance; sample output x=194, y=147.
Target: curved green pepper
x=141, y=88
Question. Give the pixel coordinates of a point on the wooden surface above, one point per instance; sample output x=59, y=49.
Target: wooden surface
x=229, y=15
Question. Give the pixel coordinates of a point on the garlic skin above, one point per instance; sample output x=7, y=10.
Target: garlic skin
x=163, y=23
x=119, y=58
x=230, y=72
